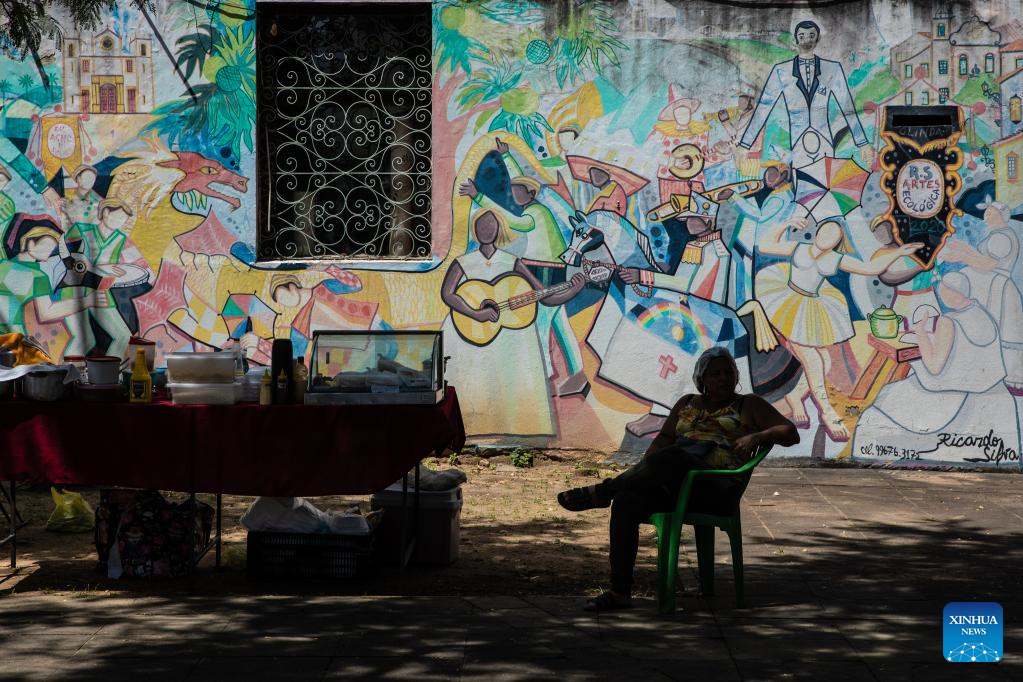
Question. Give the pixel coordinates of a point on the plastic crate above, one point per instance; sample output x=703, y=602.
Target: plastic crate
x=272, y=554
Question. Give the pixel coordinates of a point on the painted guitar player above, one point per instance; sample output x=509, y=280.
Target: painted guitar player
x=510, y=357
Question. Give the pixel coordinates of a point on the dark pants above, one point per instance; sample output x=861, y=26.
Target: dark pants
x=649, y=486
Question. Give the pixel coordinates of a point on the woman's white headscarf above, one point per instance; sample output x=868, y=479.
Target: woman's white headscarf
x=704, y=360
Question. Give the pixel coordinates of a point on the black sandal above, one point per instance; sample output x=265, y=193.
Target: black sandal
x=607, y=601
x=581, y=499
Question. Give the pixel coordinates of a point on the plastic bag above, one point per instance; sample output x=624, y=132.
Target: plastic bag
x=72, y=514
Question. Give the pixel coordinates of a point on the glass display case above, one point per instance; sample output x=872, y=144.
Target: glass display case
x=376, y=367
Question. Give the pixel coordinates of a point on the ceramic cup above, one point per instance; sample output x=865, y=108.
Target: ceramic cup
x=103, y=370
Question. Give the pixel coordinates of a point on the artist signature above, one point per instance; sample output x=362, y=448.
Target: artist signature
x=993, y=448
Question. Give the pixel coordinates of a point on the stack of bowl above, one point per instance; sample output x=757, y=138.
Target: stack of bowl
x=203, y=378
x=103, y=385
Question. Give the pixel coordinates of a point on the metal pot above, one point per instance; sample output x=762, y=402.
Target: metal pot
x=884, y=323
x=46, y=386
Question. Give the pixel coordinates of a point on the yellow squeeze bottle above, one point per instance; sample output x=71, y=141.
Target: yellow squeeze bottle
x=282, y=395
x=265, y=386
x=141, y=381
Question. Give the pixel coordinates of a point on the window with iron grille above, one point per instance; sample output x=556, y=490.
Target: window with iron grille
x=344, y=131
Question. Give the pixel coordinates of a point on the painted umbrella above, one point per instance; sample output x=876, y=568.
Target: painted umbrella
x=245, y=313
x=830, y=187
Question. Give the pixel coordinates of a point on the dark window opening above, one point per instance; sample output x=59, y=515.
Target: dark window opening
x=344, y=148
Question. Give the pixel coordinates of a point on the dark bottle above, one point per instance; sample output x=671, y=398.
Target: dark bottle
x=282, y=360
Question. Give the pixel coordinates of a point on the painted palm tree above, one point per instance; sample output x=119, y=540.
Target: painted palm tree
x=584, y=42
x=453, y=49
x=223, y=110
x=485, y=52
x=25, y=83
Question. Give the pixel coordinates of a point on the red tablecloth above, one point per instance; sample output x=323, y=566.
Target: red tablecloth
x=243, y=449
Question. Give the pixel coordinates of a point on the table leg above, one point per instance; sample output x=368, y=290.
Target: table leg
x=403, y=534
x=3, y=509
x=415, y=511
x=219, y=509
x=887, y=372
x=14, y=524
x=12, y=520
x=191, y=545
x=901, y=371
x=866, y=380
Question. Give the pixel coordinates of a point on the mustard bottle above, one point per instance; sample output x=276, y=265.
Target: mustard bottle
x=282, y=388
x=141, y=382
x=265, y=388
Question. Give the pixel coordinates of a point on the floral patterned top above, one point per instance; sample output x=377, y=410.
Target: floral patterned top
x=723, y=427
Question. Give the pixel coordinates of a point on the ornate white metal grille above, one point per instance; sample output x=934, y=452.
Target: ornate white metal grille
x=345, y=116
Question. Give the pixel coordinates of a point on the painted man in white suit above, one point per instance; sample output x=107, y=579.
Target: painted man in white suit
x=806, y=83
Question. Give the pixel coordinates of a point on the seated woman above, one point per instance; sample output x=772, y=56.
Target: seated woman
x=717, y=429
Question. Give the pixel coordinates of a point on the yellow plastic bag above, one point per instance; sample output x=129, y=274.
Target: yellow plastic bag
x=72, y=514
x=27, y=351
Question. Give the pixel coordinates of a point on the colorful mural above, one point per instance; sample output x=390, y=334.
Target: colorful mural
x=833, y=195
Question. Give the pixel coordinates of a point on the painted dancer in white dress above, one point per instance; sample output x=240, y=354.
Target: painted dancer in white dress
x=808, y=310
x=990, y=269
x=502, y=385
x=954, y=405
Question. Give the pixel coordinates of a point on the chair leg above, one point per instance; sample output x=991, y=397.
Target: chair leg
x=667, y=565
x=735, y=539
x=705, y=557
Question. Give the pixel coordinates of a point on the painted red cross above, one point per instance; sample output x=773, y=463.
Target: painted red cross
x=668, y=366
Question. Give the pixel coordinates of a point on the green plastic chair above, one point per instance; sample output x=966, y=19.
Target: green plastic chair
x=669, y=531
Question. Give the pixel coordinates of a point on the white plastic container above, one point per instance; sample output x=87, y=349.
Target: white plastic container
x=440, y=515
x=250, y=385
x=201, y=368
x=204, y=394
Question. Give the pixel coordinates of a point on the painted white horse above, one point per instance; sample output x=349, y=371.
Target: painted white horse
x=647, y=338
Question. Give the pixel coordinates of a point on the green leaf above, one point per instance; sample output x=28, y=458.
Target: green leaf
x=482, y=119
x=473, y=101
x=561, y=74
x=500, y=122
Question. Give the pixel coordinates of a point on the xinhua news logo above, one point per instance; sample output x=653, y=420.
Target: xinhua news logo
x=972, y=632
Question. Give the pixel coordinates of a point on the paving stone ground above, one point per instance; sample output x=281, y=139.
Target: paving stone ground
x=847, y=573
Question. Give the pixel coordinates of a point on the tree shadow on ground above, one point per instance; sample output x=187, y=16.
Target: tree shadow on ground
x=863, y=605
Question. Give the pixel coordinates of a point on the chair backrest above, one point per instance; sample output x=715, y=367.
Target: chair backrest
x=721, y=493
x=755, y=460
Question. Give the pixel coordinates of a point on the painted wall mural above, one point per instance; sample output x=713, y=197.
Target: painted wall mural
x=833, y=195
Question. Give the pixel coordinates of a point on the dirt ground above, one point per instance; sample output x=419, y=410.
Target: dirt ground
x=515, y=539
